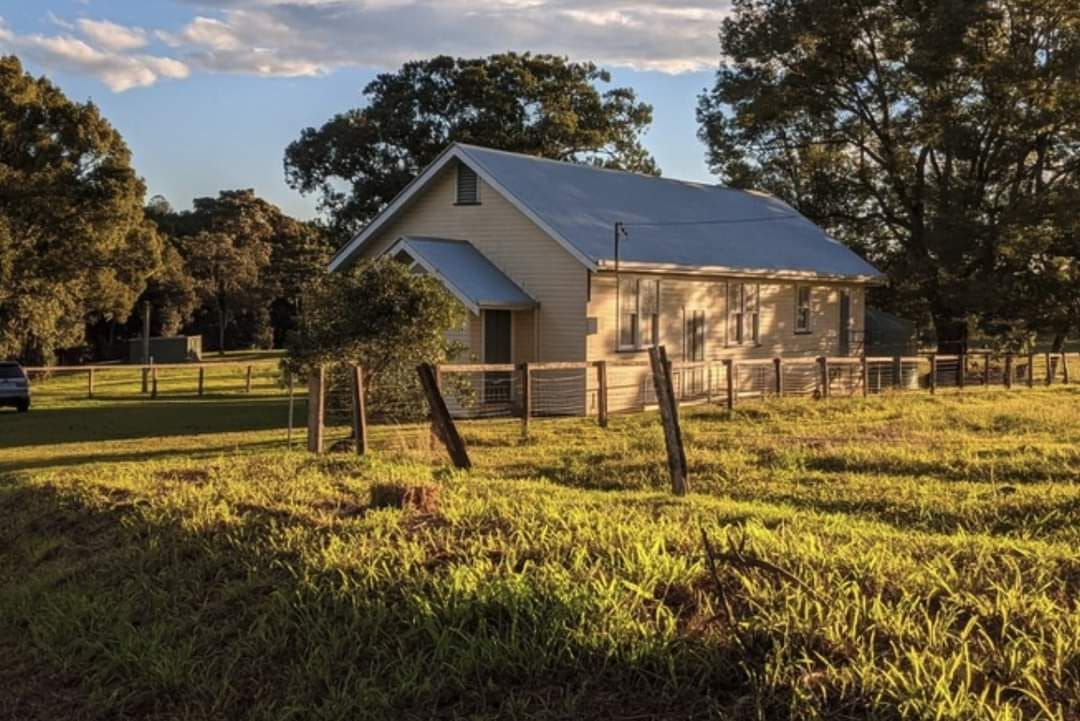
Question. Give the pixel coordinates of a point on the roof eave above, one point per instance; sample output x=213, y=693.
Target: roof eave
x=788, y=274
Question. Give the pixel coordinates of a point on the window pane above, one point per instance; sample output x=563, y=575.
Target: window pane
x=751, y=296
x=650, y=297
x=627, y=312
x=755, y=327
x=734, y=297
x=627, y=328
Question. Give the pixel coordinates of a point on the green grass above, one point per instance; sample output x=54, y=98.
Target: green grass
x=207, y=572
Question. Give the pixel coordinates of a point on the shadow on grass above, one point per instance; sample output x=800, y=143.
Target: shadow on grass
x=158, y=620
x=110, y=421
x=209, y=450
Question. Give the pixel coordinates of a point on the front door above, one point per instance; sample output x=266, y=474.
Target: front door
x=845, y=322
x=498, y=348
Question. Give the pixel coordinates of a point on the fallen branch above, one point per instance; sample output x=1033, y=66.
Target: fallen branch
x=738, y=558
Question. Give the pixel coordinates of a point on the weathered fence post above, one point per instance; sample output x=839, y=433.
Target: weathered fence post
x=986, y=370
x=961, y=371
x=1031, y=370
x=526, y=397
x=359, y=411
x=823, y=364
x=933, y=373
x=316, y=405
x=669, y=417
x=865, y=376
x=202, y=379
x=601, y=394
x=247, y=382
x=153, y=378
x=778, y=369
x=90, y=383
x=1008, y=371
x=442, y=423
x=1064, y=367
x=898, y=373
x=1049, y=370
x=145, y=379
x=292, y=404
x=729, y=371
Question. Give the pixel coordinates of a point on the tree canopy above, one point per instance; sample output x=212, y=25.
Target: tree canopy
x=537, y=104
x=74, y=245
x=940, y=138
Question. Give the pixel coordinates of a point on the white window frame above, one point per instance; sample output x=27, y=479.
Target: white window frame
x=809, y=328
x=636, y=343
x=743, y=328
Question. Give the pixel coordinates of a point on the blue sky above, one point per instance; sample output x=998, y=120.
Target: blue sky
x=208, y=93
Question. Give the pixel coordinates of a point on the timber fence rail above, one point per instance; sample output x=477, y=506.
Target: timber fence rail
x=196, y=379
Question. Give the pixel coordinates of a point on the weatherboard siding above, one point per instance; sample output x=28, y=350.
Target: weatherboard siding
x=519, y=248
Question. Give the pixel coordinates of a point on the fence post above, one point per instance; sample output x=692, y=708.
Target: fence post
x=823, y=363
x=778, y=369
x=1064, y=367
x=145, y=379
x=90, y=383
x=933, y=373
x=601, y=394
x=526, y=397
x=202, y=378
x=359, y=411
x=669, y=418
x=316, y=401
x=1031, y=370
x=153, y=378
x=1008, y=370
x=986, y=370
x=898, y=373
x=729, y=370
x=1049, y=370
x=441, y=422
x=292, y=402
x=247, y=381
x=961, y=371
x=865, y=377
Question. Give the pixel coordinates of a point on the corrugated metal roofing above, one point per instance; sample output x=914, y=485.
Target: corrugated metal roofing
x=467, y=273
x=668, y=222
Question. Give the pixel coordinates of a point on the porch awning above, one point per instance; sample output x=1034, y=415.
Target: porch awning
x=466, y=273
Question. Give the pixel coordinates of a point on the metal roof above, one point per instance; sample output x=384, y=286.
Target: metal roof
x=466, y=272
x=668, y=222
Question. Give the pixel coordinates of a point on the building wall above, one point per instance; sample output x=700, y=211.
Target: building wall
x=519, y=248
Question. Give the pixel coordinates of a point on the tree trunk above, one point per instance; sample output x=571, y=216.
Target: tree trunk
x=952, y=335
x=1059, y=343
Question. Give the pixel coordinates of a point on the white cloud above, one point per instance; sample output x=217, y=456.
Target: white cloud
x=118, y=70
x=110, y=36
x=290, y=38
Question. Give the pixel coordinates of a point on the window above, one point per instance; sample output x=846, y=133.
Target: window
x=639, y=312
x=802, y=309
x=468, y=186
x=744, y=321
x=695, y=335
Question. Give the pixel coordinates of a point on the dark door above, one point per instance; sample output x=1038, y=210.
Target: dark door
x=845, y=322
x=497, y=349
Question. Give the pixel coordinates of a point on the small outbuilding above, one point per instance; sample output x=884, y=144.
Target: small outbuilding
x=173, y=349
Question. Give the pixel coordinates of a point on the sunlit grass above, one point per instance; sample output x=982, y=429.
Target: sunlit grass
x=214, y=574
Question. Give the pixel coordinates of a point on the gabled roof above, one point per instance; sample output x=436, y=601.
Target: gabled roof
x=671, y=224
x=466, y=272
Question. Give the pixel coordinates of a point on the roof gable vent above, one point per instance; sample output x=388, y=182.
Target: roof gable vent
x=468, y=186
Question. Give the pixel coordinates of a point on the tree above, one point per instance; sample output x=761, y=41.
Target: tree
x=381, y=316
x=930, y=135
x=537, y=104
x=74, y=246
x=227, y=271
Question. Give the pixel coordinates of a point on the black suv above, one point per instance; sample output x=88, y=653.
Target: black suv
x=14, y=387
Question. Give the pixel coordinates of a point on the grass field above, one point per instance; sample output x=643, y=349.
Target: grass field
x=902, y=557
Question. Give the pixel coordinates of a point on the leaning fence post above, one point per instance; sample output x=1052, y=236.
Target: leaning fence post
x=729, y=371
x=669, y=418
x=441, y=422
x=778, y=369
x=359, y=412
x=601, y=394
x=316, y=402
x=90, y=383
x=526, y=397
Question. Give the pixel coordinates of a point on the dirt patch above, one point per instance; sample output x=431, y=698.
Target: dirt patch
x=420, y=498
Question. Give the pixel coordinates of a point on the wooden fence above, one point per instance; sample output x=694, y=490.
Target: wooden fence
x=149, y=373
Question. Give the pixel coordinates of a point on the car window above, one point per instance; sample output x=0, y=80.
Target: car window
x=10, y=371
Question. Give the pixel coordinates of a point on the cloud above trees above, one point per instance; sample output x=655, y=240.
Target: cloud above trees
x=294, y=38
